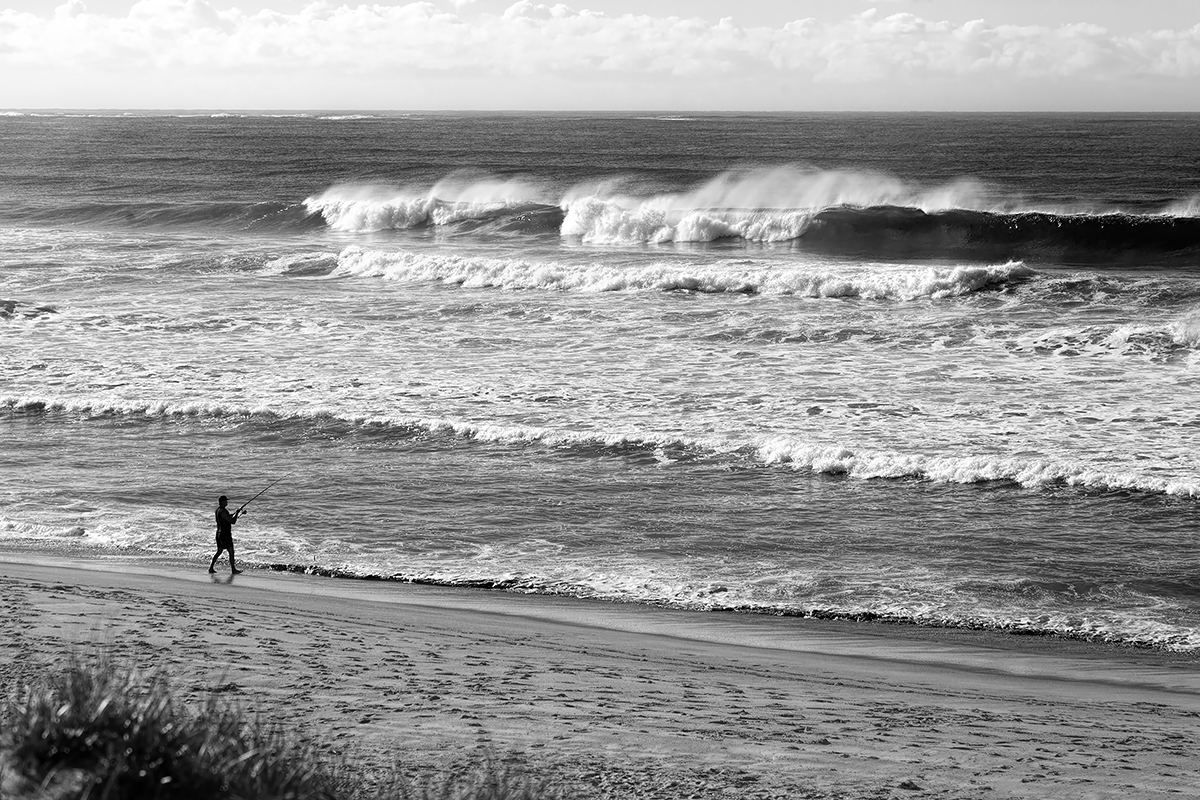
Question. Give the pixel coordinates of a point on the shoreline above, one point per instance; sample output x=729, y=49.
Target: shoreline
x=904, y=640
x=914, y=626
x=1037, y=654
x=661, y=703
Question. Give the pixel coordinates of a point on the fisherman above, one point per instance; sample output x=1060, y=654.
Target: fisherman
x=225, y=523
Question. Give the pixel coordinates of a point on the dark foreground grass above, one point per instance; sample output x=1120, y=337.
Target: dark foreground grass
x=103, y=732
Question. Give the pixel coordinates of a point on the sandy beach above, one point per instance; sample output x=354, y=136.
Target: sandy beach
x=628, y=701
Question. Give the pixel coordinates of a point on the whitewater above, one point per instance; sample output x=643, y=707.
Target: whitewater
x=934, y=370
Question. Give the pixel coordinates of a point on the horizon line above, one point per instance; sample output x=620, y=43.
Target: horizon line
x=664, y=112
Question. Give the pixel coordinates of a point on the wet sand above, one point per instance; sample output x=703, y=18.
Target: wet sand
x=628, y=701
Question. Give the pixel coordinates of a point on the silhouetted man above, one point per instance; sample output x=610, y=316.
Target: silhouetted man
x=225, y=523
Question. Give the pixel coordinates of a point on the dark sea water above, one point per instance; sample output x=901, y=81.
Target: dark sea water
x=928, y=368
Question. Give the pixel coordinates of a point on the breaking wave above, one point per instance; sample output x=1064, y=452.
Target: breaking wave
x=861, y=214
x=900, y=231
x=967, y=469
x=793, y=452
x=823, y=211
x=453, y=201
x=515, y=273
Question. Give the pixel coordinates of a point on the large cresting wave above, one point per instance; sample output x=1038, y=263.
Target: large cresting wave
x=822, y=211
x=840, y=213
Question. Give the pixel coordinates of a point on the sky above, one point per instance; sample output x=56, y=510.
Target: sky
x=666, y=55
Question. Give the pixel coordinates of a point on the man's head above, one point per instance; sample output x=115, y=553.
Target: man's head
x=222, y=501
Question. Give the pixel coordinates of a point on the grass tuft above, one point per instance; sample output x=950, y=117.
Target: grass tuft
x=102, y=732
x=133, y=739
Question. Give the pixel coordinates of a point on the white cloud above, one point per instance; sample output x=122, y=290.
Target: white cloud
x=397, y=42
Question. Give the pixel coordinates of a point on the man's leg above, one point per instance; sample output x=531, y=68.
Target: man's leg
x=213, y=566
x=232, y=565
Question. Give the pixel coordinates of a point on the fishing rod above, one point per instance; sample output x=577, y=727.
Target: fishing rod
x=252, y=499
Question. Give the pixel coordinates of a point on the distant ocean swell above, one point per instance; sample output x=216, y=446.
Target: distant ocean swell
x=791, y=451
x=266, y=216
x=216, y=115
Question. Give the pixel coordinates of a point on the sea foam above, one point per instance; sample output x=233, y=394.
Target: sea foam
x=964, y=469
x=883, y=282
x=1186, y=330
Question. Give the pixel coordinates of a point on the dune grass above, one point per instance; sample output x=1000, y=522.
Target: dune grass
x=100, y=731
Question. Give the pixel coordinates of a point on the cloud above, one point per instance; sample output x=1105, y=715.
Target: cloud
x=871, y=46
x=532, y=39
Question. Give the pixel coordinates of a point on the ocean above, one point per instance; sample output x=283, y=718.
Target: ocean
x=928, y=369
